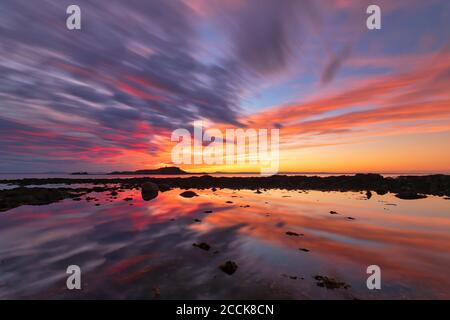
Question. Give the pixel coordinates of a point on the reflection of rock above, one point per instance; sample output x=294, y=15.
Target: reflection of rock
x=410, y=196
x=330, y=283
x=149, y=191
x=202, y=245
x=229, y=267
x=188, y=194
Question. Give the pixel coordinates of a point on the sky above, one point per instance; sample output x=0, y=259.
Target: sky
x=108, y=97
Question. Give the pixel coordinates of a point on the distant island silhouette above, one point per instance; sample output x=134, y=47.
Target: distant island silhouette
x=165, y=170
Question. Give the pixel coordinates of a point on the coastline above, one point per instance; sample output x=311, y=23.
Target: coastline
x=404, y=187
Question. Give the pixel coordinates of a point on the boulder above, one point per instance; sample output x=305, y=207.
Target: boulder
x=149, y=191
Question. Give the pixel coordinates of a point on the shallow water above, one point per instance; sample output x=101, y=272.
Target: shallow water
x=139, y=249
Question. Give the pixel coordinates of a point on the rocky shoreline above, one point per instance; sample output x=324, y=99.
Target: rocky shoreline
x=405, y=187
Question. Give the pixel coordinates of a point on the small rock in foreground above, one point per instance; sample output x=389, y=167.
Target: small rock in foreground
x=229, y=267
x=188, y=194
x=330, y=283
x=202, y=245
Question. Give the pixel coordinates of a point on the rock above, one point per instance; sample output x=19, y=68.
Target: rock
x=128, y=199
x=330, y=283
x=188, y=194
x=214, y=189
x=208, y=211
x=197, y=220
x=114, y=193
x=333, y=212
x=303, y=249
x=258, y=191
x=229, y=267
x=229, y=202
x=76, y=199
x=293, y=234
x=351, y=218
x=149, y=191
x=13, y=198
x=368, y=194
x=164, y=187
x=202, y=245
x=156, y=292
x=410, y=196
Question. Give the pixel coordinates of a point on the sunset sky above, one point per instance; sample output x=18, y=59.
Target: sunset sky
x=107, y=97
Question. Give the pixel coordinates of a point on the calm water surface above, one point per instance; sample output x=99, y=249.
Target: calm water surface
x=139, y=249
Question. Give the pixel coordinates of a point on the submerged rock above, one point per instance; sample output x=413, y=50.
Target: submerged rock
x=330, y=283
x=229, y=267
x=149, y=191
x=202, y=245
x=410, y=196
x=188, y=194
x=293, y=234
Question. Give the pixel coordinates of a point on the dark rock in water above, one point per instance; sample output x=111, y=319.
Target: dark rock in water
x=351, y=218
x=197, y=220
x=208, y=211
x=214, y=189
x=13, y=198
x=303, y=249
x=164, y=187
x=188, y=194
x=293, y=234
x=333, y=212
x=202, y=245
x=149, y=191
x=76, y=199
x=97, y=204
x=410, y=196
x=89, y=198
x=229, y=267
x=330, y=283
x=258, y=191
x=447, y=198
x=368, y=194
x=128, y=199
x=114, y=193
x=229, y=202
